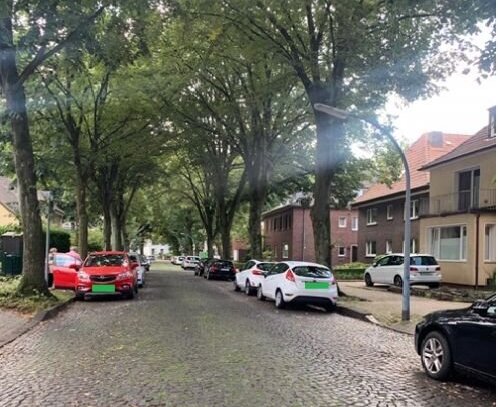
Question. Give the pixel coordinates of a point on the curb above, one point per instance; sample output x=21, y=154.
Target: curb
x=366, y=317
x=39, y=317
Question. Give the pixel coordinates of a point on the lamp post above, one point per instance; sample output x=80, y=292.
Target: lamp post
x=343, y=115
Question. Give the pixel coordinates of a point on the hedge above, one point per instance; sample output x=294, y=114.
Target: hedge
x=59, y=239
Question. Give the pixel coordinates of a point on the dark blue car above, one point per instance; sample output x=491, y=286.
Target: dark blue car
x=463, y=339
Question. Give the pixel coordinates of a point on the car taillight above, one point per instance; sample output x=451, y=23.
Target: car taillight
x=290, y=276
x=257, y=272
x=414, y=269
x=212, y=268
x=438, y=268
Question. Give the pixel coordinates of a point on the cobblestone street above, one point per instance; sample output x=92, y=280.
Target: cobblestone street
x=187, y=341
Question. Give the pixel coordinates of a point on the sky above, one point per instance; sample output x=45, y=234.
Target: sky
x=462, y=109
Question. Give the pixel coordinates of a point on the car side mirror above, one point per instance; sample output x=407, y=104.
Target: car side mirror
x=75, y=267
x=480, y=307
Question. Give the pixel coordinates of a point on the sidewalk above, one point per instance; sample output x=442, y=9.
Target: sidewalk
x=385, y=306
x=12, y=324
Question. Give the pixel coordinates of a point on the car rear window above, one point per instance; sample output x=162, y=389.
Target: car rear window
x=95, y=260
x=423, y=261
x=265, y=266
x=312, y=271
x=223, y=263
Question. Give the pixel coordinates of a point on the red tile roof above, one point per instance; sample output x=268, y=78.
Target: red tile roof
x=481, y=141
x=418, y=154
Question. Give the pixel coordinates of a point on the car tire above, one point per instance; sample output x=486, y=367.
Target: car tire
x=330, y=307
x=79, y=297
x=259, y=294
x=279, y=300
x=368, y=280
x=235, y=286
x=435, y=355
x=131, y=295
x=135, y=288
x=141, y=285
x=398, y=281
x=248, y=289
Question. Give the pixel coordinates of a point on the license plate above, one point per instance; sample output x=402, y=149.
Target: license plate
x=103, y=288
x=315, y=285
x=225, y=269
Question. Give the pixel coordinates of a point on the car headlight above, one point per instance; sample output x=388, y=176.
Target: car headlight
x=82, y=276
x=124, y=276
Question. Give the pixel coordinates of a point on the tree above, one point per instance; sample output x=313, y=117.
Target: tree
x=354, y=55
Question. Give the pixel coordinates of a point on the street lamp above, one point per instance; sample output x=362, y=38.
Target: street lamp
x=343, y=115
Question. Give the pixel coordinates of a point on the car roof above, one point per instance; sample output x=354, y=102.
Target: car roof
x=411, y=254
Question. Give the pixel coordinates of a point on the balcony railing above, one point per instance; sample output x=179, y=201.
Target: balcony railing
x=460, y=202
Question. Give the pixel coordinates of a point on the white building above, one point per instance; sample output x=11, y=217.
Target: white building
x=155, y=249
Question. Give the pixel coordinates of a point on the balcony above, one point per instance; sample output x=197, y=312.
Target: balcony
x=461, y=202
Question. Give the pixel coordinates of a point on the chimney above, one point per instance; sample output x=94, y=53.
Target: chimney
x=492, y=122
x=436, y=139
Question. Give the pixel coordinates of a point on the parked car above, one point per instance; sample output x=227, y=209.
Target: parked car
x=201, y=266
x=177, y=260
x=389, y=269
x=151, y=258
x=140, y=268
x=190, y=262
x=463, y=340
x=296, y=281
x=107, y=273
x=220, y=269
x=251, y=276
x=62, y=271
x=145, y=262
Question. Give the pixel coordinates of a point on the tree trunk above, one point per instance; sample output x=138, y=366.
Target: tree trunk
x=226, y=241
x=116, y=231
x=107, y=227
x=81, y=210
x=257, y=195
x=33, y=279
x=329, y=138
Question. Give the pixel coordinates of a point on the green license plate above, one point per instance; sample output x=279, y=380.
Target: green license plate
x=315, y=285
x=103, y=288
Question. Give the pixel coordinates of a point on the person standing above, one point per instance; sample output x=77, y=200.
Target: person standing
x=73, y=251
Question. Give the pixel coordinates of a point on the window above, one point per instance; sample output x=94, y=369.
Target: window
x=372, y=216
x=384, y=261
x=468, y=189
x=389, y=246
x=413, y=246
x=285, y=251
x=414, y=206
x=354, y=223
x=371, y=249
x=341, y=251
x=343, y=222
x=490, y=243
x=448, y=243
x=389, y=212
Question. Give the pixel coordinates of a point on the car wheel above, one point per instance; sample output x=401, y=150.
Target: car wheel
x=135, y=288
x=330, y=307
x=398, y=281
x=436, y=356
x=131, y=294
x=279, y=300
x=259, y=294
x=248, y=289
x=79, y=297
x=368, y=280
x=235, y=286
x=141, y=285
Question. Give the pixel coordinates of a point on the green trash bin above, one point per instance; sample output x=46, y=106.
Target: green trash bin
x=11, y=264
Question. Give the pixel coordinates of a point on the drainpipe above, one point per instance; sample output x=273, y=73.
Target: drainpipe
x=477, y=251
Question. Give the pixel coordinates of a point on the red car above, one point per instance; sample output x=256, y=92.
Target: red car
x=107, y=273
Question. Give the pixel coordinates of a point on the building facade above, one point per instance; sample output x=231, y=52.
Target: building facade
x=459, y=228
x=381, y=207
x=288, y=234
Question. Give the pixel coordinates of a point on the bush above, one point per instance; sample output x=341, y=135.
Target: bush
x=350, y=266
x=59, y=239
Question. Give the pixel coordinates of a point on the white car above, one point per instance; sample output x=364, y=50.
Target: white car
x=389, y=269
x=298, y=281
x=251, y=276
x=190, y=262
x=178, y=260
x=135, y=258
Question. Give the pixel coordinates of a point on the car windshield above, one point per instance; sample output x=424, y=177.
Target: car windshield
x=312, y=271
x=423, y=261
x=223, y=263
x=265, y=266
x=95, y=260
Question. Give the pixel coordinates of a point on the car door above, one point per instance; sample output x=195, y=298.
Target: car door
x=272, y=279
x=381, y=272
x=64, y=271
x=475, y=340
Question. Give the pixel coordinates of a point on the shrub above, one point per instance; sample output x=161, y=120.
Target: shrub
x=59, y=239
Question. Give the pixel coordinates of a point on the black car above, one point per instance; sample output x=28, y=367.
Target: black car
x=200, y=267
x=463, y=339
x=219, y=269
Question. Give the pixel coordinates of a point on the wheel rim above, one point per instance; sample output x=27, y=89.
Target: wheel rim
x=398, y=282
x=433, y=355
x=368, y=280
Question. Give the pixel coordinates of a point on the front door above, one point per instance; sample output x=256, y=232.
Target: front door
x=354, y=253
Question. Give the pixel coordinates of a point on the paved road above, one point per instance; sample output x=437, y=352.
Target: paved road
x=190, y=342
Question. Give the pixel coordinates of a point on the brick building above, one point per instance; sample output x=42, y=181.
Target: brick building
x=288, y=233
